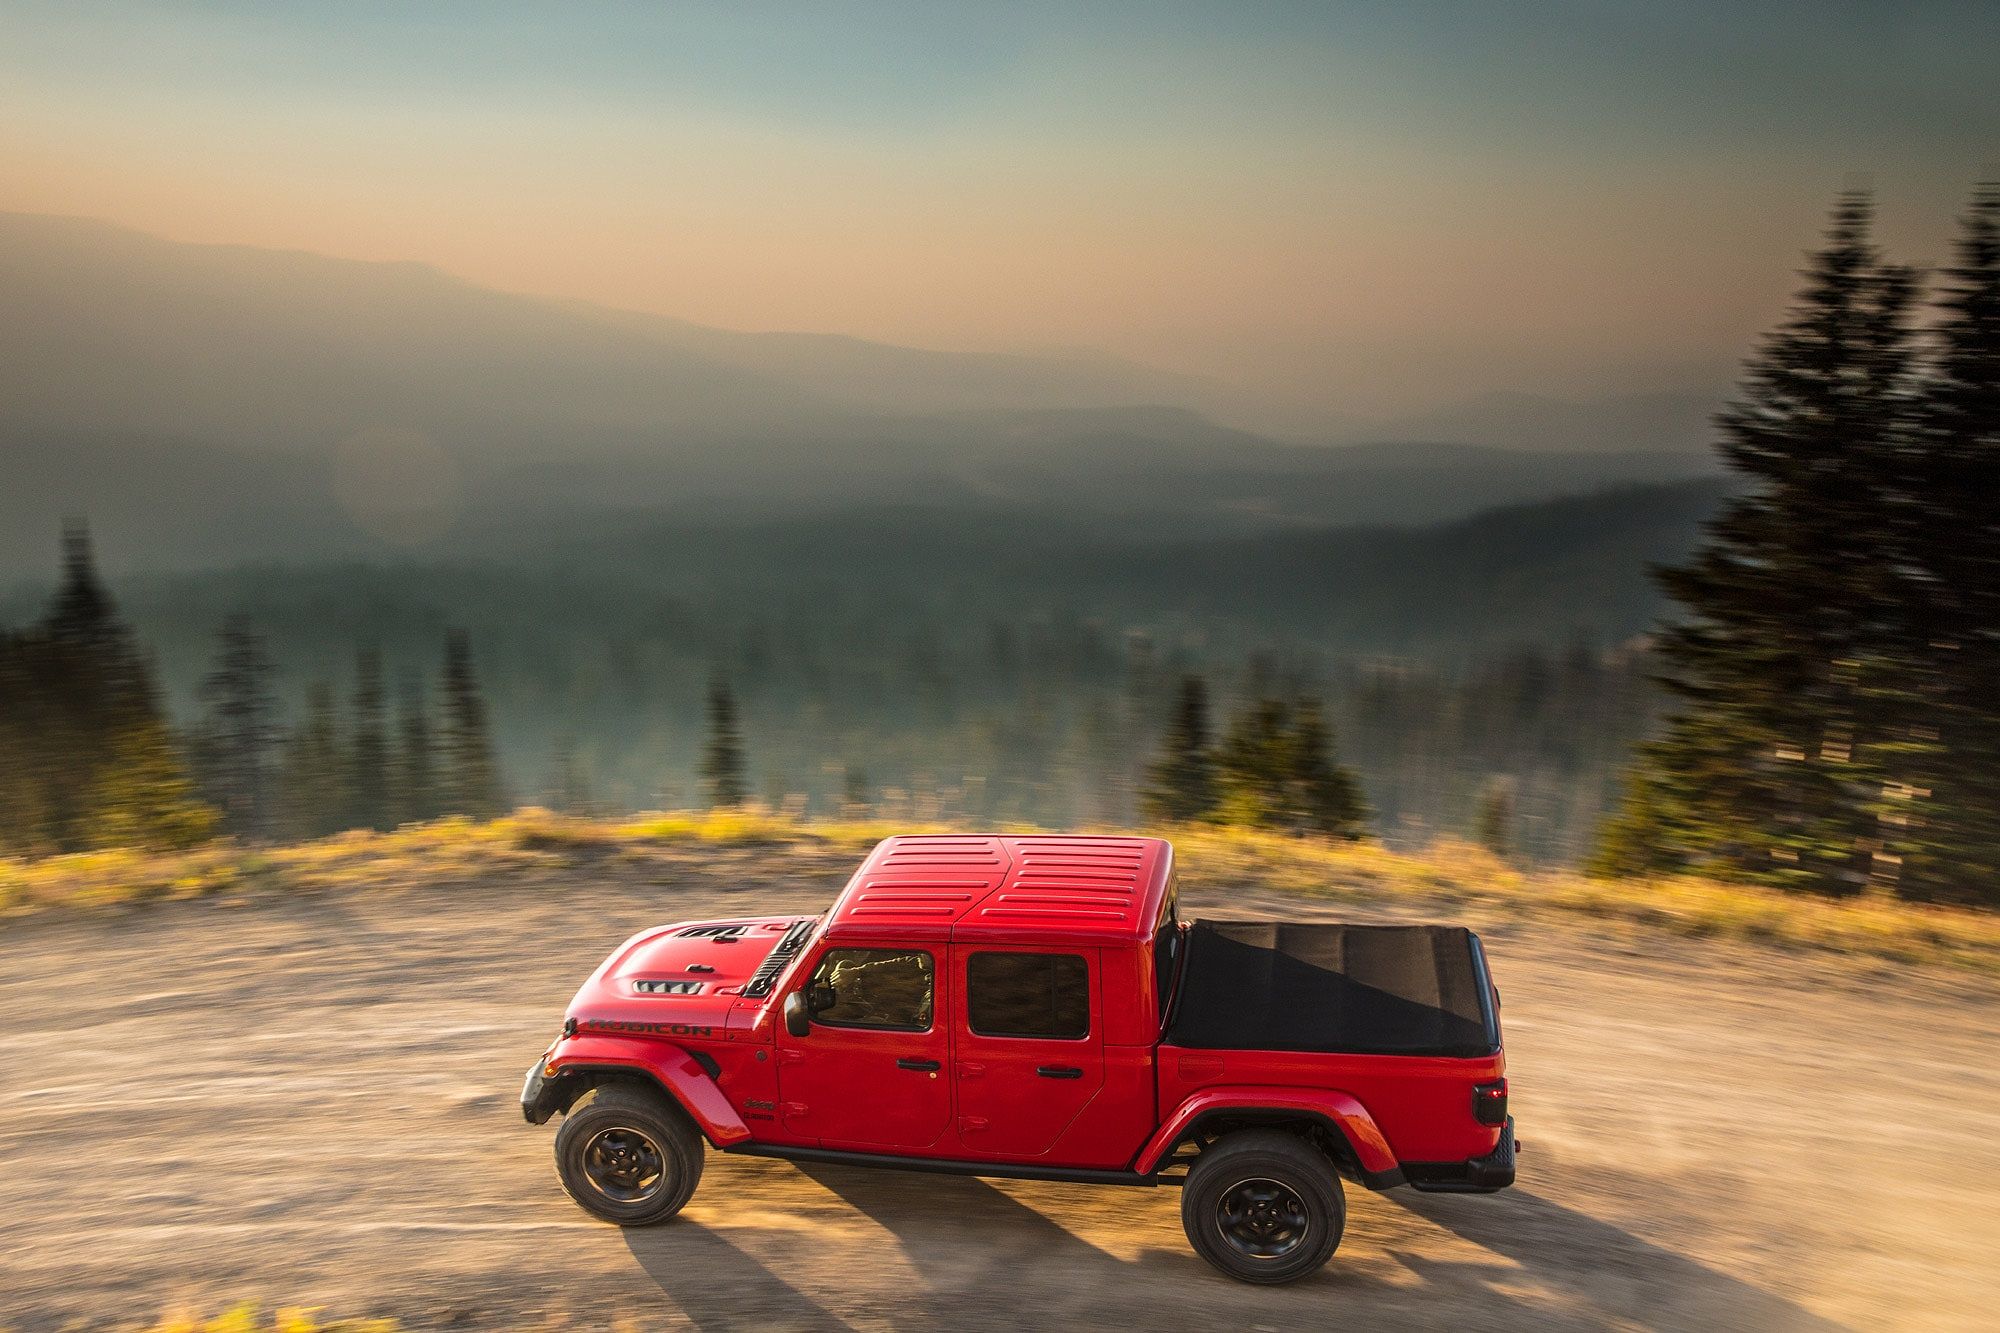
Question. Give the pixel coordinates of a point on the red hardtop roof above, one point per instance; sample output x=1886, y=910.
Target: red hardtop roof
x=1056, y=887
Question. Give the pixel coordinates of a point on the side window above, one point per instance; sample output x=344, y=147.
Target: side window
x=1166, y=953
x=874, y=988
x=1028, y=995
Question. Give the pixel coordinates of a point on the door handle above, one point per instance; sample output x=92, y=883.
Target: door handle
x=1058, y=1071
x=925, y=1066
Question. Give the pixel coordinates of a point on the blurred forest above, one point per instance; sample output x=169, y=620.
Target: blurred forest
x=302, y=704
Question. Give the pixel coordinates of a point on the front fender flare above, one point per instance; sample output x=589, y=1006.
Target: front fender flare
x=679, y=1074
x=1339, y=1111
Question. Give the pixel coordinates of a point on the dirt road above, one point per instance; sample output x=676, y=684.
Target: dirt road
x=312, y=1101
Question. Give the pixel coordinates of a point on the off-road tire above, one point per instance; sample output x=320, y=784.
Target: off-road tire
x=1263, y=1206
x=629, y=1156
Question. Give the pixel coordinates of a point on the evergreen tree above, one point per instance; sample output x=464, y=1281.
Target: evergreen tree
x=91, y=761
x=1951, y=804
x=1254, y=765
x=82, y=609
x=416, y=799
x=143, y=797
x=722, y=767
x=241, y=731
x=23, y=794
x=1493, y=827
x=1181, y=784
x=369, y=794
x=1277, y=770
x=313, y=790
x=853, y=789
x=471, y=779
x=1770, y=766
x=1324, y=796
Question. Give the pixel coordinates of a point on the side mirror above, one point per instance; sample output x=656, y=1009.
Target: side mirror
x=798, y=1019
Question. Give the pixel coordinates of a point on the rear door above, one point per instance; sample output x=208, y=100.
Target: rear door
x=1028, y=1045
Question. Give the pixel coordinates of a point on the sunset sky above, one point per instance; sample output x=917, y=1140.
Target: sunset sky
x=1353, y=208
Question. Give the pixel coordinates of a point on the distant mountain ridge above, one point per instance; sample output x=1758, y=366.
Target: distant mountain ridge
x=117, y=330
x=191, y=398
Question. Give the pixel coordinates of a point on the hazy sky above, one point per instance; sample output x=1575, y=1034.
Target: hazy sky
x=1364, y=207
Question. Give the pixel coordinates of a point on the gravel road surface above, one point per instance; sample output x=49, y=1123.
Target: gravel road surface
x=312, y=1101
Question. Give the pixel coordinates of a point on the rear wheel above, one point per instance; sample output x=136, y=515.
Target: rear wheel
x=630, y=1156
x=1263, y=1206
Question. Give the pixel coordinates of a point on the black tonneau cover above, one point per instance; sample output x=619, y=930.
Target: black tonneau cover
x=1373, y=990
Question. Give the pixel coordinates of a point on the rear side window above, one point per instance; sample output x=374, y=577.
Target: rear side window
x=1166, y=952
x=875, y=988
x=1028, y=995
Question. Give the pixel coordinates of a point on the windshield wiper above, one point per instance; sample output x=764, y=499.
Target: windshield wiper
x=766, y=975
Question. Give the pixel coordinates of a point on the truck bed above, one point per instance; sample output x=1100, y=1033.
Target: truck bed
x=1362, y=990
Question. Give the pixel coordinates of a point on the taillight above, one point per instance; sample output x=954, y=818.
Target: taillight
x=1489, y=1103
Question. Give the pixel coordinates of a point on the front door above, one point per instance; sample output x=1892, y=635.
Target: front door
x=1030, y=1053
x=871, y=1073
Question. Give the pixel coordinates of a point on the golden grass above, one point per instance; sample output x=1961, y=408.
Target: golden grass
x=1459, y=874
x=245, y=1319
x=1467, y=875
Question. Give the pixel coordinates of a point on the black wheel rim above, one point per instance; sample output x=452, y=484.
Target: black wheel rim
x=1262, y=1219
x=624, y=1164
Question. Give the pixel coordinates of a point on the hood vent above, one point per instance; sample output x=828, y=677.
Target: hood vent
x=766, y=975
x=647, y=986
x=720, y=934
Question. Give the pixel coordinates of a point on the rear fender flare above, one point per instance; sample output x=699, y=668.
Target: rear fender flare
x=678, y=1073
x=1339, y=1112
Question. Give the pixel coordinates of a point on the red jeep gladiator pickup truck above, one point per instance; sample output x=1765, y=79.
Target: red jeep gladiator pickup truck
x=1033, y=1007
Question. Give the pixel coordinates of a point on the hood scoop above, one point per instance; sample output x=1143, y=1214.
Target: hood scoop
x=720, y=934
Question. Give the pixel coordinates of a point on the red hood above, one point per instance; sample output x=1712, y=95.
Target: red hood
x=706, y=962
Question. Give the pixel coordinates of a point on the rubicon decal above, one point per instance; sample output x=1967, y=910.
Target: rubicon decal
x=657, y=1029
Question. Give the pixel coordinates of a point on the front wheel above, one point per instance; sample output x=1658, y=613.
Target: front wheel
x=1263, y=1206
x=629, y=1156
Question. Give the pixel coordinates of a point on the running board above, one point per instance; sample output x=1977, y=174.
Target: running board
x=943, y=1166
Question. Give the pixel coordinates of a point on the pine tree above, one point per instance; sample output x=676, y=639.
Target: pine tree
x=83, y=666
x=1277, y=770
x=722, y=767
x=23, y=816
x=94, y=763
x=82, y=609
x=416, y=798
x=1952, y=549
x=143, y=797
x=1325, y=796
x=241, y=731
x=369, y=795
x=313, y=786
x=1768, y=768
x=1493, y=827
x=1254, y=763
x=1181, y=784
x=471, y=779
x=853, y=789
